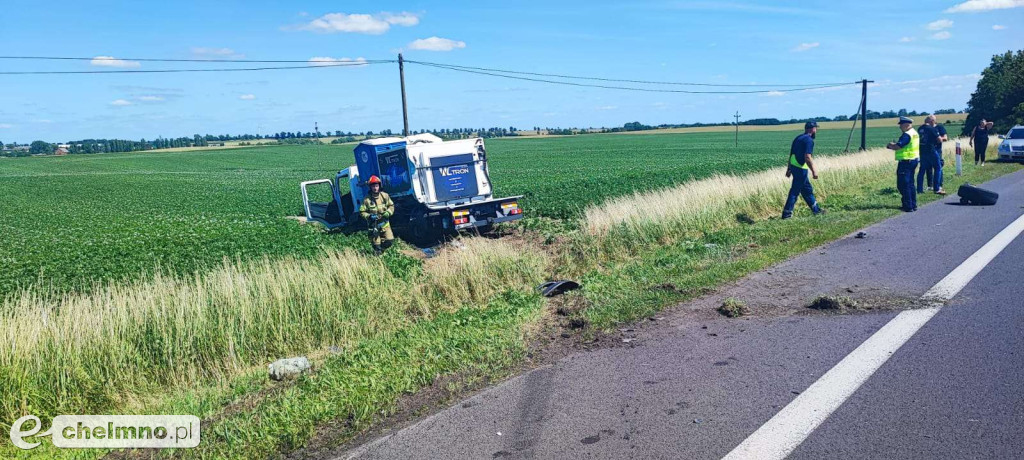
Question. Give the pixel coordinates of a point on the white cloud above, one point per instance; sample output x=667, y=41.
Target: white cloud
x=944, y=35
x=906, y=39
x=606, y=107
x=216, y=52
x=151, y=98
x=110, y=61
x=774, y=93
x=404, y=19
x=998, y=27
x=120, y=102
x=6, y=126
x=976, y=6
x=327, y=61
x=909, y=90
x=436, y=44
x=940, y=24
x=371, y=24
x=247, y=97
x=805, y=46
x=971, y=77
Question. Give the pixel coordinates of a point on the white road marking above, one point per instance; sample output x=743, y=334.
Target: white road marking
x=778, y=437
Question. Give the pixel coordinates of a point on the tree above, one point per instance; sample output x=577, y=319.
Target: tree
x=999, y=95
x=40, y=147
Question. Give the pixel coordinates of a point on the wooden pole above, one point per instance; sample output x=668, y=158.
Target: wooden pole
x=864, y=113
x=737, y=140
x=405, y=107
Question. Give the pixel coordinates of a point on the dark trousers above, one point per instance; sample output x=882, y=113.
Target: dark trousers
x=979, y=151
x=905, y=183
x=801, y=186
x=931, y=167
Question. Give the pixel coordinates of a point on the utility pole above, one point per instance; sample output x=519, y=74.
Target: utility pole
x=405, y=108
x=864, y=113
x=737, y=116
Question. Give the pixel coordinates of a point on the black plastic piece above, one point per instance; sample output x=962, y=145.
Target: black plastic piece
x=553, y=288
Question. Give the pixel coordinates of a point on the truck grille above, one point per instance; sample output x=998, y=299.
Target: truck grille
x=1017, y=148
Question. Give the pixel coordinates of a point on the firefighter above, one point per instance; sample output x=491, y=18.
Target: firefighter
x=376, y=209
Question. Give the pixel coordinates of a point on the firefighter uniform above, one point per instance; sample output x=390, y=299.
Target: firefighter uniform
x=376, y=210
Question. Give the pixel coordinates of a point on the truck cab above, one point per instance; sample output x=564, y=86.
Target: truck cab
x=438, y=187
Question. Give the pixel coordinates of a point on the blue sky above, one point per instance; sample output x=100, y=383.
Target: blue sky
x=925, y=55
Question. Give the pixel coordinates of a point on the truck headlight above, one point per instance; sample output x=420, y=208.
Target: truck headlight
x=1004, y=147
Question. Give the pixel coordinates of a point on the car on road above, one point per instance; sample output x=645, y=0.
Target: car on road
x=1011, y=148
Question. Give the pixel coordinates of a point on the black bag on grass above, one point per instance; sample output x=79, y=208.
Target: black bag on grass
x=970, y=194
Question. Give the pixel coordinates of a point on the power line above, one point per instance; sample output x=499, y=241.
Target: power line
x=646, y=82
x=104, y=58
x=628, y=88
x=382, y=61
x=241, y=69
x=511, y=74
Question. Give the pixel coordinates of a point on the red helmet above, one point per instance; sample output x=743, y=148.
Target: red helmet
x=373, y=180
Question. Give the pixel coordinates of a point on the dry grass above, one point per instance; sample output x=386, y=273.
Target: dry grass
x=695, y=207
x=699, y=202
x=80, y=353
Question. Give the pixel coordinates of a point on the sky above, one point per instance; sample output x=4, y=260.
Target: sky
x=924, y=55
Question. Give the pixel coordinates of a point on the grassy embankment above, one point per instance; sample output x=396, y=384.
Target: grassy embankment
x=464, y=312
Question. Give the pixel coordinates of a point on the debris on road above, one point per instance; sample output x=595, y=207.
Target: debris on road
x=861, y=235
x=558, y=287
x=831, y=302
x=733, y=308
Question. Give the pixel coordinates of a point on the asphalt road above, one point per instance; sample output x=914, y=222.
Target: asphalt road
x=697, y=386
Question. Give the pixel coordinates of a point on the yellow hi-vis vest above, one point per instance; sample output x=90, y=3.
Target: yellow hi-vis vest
x=793, y=162
x=912, y=150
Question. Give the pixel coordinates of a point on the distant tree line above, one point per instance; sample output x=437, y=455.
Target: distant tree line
x=87, y=146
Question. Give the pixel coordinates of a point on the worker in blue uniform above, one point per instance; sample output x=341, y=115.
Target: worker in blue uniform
x=908, y=152
x=931, y=157
x=800, y=164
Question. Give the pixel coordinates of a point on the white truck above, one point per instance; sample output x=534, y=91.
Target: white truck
x=438, y=187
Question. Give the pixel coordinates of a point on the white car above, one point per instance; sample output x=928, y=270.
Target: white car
x=1012, y=145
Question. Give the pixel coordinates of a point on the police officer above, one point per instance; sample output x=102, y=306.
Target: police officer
x=908, y=152
x=376, y=209
x=800, y=163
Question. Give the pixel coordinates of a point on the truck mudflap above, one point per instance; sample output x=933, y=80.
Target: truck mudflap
x=486, y=213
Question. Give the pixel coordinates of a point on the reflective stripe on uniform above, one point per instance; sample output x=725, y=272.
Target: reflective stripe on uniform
x=912, y=150
x=793, y=162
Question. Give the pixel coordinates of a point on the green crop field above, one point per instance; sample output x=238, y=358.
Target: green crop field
x=559, y=176
x=69, y=222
